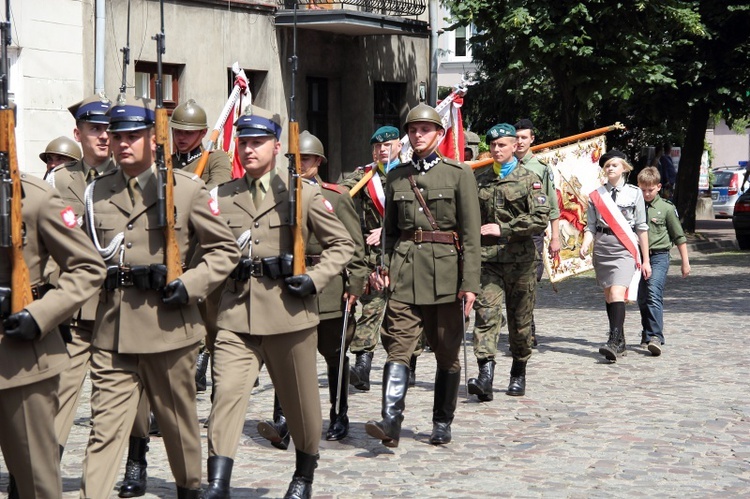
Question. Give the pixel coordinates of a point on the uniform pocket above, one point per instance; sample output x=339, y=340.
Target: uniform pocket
x=406, y=203
x=441, y=203
x=446, y=269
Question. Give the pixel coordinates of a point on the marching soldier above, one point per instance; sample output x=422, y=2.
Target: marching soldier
x=370, y=204
x=58, y=152
x=71, y=180
x=267, y=315
x=32, y=351
x=432, y=244
x=514, y=208
x=147, y=331
x=331, y=300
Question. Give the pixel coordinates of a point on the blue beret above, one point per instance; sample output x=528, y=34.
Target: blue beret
x=384, y=134
x=93, y=109
x=258, y=123
x=131, y=113
x=500, y=131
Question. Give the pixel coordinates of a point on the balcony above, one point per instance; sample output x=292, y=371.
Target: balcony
x=356, y=17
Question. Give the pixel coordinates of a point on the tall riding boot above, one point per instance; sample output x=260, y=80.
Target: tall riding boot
x=275, y=431
x=413, y=370
x=359, y=375
x=219, y=475
x=183, y=493
x=153, y=425
x=615, y=346
x=395, y=381
x=201, y=366
x=134, y=482
x=517, y=385
x=444, y=406
x=302, y=480
x=339, y=426
x=481, y=386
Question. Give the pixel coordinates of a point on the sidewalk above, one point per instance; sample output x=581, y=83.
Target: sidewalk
x=711, y=236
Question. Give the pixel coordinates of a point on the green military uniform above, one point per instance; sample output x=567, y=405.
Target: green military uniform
x=218, y=168
x=664, y=227
x=30, y=369
x=71, y=180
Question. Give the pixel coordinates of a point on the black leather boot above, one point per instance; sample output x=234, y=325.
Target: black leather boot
x=302, y=480
x=395, y=384
x=615, y=346
x=219, y=475
x=134, y=482
x=359, y=375
x=413, y=370
x=339, y=425
x=183, y=493
x=12, y=488
x=517, y=386
x=201, y=366
x=153, y=426
x=481, y=386
x=275, y=431
x=444, y=406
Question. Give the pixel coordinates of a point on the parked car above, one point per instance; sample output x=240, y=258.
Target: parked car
x=741, y=220
x=726, y=190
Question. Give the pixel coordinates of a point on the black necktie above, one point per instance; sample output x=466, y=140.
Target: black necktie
x=614, y=194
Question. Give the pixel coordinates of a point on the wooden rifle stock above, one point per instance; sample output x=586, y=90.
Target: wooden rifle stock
x=172, y=250
x=20, y=280
x=203, y=161
x=299, y=243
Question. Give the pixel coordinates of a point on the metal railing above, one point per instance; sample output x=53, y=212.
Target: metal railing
x=385, y=7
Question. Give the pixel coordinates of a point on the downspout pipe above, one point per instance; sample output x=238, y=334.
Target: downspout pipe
x=99, y=46
x=434, y=28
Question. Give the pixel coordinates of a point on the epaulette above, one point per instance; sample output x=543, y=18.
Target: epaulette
x=667, y=201
x=332, y=187
x=64, y=166
x=107, y=174
x=309, y=182
x=453, y=163
x=190, y=175
x=35, y=181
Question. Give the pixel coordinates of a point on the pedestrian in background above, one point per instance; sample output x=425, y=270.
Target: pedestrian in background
x=664, y=230
x=616, y=213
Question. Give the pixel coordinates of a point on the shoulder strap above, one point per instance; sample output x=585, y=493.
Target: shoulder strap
x=422, y=203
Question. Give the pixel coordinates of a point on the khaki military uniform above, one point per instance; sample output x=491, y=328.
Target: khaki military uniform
x=141, y=344
x=425, y=276
x=218, y=167
x=71, y=181
x=30, y=370
x=531, y=162
x=260, y=321
x=519, y=205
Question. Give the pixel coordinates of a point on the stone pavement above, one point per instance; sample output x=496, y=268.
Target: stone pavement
x=673, y=426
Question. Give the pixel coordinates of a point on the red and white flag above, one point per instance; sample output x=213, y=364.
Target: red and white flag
x=229, y=142
x=375, y=190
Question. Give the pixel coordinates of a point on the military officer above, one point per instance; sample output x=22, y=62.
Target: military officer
x=60, y=151
x=189, y=127
x=266, y=315
x=514, y=208
x=525, y=137
x=332, y=300
x=147, y=330
x=369, y=201
x=71, y=180
x=32, y=351
x=432, y=245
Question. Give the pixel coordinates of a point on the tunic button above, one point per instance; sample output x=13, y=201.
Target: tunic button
x=440, y=195
x=420, y=208
x=257, y=241
x=129, y=245
x=256, y=224
x=421, y=189
x=419, y=246
x=130, y=226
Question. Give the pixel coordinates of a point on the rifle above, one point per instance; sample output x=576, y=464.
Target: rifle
x=236, y=91
x=11, y=218
x=125, y=57
x=165, y=173
x=295, y=169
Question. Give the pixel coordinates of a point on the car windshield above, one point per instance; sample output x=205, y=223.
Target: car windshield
x=723, y=179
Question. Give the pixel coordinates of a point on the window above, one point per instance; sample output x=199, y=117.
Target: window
x=461, y=41
x=317, y=114
x=256, y=80
x=389, y=99
x=145, y=82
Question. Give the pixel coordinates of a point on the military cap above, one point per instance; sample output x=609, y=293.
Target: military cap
x=131, y=113
x=612, y=153
x=258, y=122
x=384, y=134
x=524, y=124
x=93, y=109
x=189, y=116
x=500, y=131
x=310, y=144
x=471, y=138
x=423, y=112
x=63, y=146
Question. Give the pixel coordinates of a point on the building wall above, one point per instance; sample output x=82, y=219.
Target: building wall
x=728, y=147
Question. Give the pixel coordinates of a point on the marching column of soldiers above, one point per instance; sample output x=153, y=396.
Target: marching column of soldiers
x=418, y=243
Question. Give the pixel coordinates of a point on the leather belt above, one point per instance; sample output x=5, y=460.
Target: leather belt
x=311, y=260
x=604, y=230
x=39, y=290
x=428, y=236
x=657, y=252
x=493, y=240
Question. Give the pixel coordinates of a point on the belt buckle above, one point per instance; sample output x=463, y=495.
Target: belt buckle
x=125, y=277
x=257, y=270
x=418, y=236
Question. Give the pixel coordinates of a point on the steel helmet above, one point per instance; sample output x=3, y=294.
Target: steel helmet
x=423, y=112
x=189, y=116
x=64, y=146
x=310, y=144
